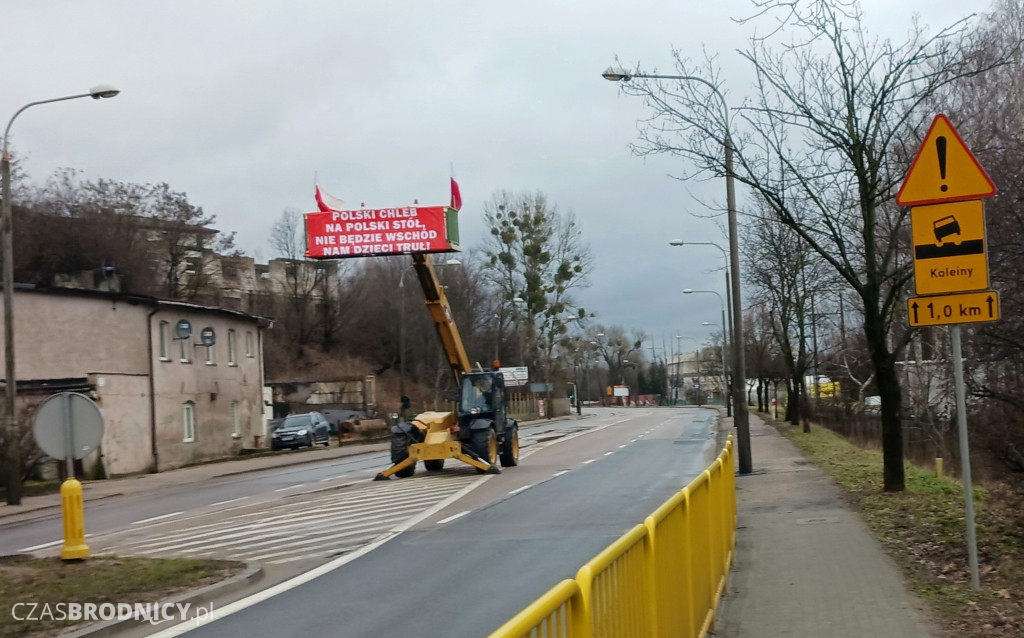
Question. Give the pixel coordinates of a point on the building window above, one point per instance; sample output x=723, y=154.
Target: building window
x=211, y=355
x=188, y=419
x=249, y=344
x=186, y=353
x=236, y=421
x=231, y=348
x=164, y=334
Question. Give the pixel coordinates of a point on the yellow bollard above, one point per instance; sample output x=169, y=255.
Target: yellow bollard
x=74, y=521
x=938, y=466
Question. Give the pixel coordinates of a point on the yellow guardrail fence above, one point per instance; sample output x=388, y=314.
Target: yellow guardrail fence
x=662, y=578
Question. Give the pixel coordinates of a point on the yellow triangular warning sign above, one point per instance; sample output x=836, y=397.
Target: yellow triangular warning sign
x=944, y=170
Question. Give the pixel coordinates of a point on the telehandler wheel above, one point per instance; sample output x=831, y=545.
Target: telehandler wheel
x=510, y=448
x=400, y=452
x=485, y=444
x=434, y=465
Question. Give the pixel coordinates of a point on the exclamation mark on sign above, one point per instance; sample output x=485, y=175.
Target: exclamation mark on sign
x=940, y=146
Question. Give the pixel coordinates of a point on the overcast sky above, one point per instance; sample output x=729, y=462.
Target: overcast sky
x=239, y=104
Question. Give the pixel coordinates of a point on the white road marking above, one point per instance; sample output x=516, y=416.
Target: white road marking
x=156, y=518
x=43, y=546
x=622, y=446
x=453, y=517
x=561, y=473
x=291, y=487
x=520, y=489
x=326, y=568
x=590, y=461
x=230, y=500
x=609, y=453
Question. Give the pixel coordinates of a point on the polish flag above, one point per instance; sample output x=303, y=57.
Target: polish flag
x=327, y=202
x=456, y=195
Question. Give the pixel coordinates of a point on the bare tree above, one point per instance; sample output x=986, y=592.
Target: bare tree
x=534, y=253
x=824, y=145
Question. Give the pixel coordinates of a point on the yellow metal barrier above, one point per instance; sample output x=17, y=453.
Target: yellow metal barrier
x=662, y=578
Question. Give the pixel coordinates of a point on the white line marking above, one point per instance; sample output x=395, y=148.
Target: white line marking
x=290, y=487
x=453, y=517
x=520, y=489
x=156, y=518
x=609, y=453
x=43, y=546
x=561, y=473
x=230, y=500
x=590, y=461
x=622, y=446
x=326, y=568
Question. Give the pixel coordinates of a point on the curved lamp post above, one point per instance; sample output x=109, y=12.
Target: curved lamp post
x=13, y=457
x=740, y=417
x=689, y=291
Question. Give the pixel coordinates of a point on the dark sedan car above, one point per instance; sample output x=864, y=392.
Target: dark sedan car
x=300, y=430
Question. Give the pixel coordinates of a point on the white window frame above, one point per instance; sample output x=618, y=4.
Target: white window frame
x=236, y=420
x=164, y=331
x=186, y=354
x=211, y=355
x=188, y=421
x=249, y=344
x=231, y=348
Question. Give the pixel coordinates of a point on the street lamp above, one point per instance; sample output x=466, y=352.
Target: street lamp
x=689, y=291
x=401, y=331
x=740, y=417
x=13, y=458
x=728, y=285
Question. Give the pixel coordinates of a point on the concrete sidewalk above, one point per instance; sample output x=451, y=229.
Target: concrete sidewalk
x=35, y=506
x=806, y=565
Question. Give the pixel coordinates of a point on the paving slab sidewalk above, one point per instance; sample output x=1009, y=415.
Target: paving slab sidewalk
x=806, y=565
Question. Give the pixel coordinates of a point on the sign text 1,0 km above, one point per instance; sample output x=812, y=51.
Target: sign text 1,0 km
x=942, y=310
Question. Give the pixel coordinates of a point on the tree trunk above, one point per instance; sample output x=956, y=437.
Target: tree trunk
x=889, y=391
x=793, y=402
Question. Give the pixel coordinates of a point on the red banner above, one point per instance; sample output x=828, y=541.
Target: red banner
x=377, y=231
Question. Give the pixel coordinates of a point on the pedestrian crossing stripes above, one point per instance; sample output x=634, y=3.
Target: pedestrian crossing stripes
x=319, y=524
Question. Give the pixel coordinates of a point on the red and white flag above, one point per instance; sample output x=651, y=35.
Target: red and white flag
x=327, y=202
x=456, y=195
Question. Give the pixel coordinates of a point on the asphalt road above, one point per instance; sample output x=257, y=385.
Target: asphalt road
x=129, y=510
x=467, y=567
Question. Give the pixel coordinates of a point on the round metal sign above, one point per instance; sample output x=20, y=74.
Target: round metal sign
x=66, y=410
x=208, y=337
x=183, y=329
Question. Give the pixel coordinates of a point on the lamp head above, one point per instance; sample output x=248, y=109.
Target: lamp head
x=616, y=74
x=675, y=242
x=687, y=291
x=453, y=262
x=103, y=90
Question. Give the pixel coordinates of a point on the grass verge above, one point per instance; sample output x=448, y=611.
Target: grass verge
x=103, y=579
x=923, y=529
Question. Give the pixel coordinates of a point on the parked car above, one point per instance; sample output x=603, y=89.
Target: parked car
x=300, y=430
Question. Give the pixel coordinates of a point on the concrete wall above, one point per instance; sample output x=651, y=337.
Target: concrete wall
x=124, y=403
x=63, y=336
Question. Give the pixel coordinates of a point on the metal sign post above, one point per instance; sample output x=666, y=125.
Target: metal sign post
x=965, y=455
